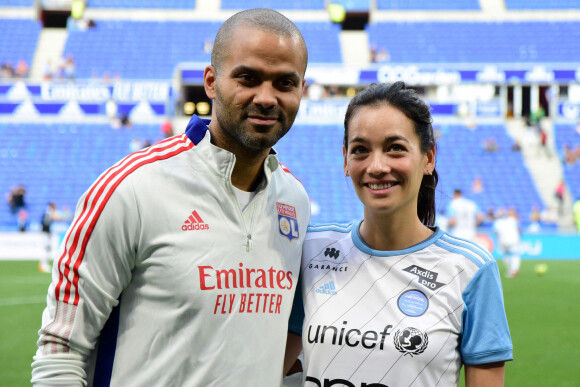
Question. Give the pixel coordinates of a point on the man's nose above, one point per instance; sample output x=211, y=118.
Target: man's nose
x=266, y=95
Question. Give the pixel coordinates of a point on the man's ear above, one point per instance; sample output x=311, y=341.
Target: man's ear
x=209, y=81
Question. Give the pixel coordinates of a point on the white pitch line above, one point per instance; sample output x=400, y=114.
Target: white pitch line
x=23, y=301
x=26, y=280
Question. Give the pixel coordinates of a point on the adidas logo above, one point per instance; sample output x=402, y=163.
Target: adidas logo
x=194, y=222
x=327, y=288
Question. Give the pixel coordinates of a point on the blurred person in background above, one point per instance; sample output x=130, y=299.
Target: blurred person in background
x=576, y=211
x=464, y=216
x=392, y=300
x=51, y=215
x=16, y=199
x=508, y=232
x=142, y=292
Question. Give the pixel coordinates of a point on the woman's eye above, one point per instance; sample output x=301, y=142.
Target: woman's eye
x=357, y=150
x=397, y=148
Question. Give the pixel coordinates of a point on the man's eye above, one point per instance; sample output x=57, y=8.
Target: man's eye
x=286, y=83
x=246, y=77
x=357, y=150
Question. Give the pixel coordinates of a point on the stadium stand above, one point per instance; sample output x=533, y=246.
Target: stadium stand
x=124, y=47
x=58, y=161
x=566, y=134
x=428, y=5
x=18, y=38
x=16, y=3
x=304, y=5
x=505, y=179
x=541, y=4
x=353, y=5
x=144, y=4
x=478, y=42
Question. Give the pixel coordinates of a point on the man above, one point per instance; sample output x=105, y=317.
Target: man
x=181, y=264
x=49, y=216
x=464, y=216
x=508, y=231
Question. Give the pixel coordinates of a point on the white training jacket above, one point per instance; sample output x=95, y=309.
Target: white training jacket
x=162, y=280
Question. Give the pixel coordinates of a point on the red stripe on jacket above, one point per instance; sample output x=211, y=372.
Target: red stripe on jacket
x=137, y=159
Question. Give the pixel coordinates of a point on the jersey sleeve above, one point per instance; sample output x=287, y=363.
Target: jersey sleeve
x=485, y=336
x=297, y=313
x=94, y=265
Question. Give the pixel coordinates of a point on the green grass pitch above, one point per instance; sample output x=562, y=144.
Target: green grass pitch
x=543, y=314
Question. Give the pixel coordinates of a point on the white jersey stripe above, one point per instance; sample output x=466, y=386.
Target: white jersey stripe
x=447, y=246
x=469, y=245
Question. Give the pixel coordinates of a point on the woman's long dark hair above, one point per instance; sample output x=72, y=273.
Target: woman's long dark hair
x=410, y=104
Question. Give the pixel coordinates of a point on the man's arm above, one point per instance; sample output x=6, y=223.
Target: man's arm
x=293, y=349
x=485, y=375
x=93, y=266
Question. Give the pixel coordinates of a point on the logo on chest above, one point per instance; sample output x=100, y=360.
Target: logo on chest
x=427, y=278
x=287, y=222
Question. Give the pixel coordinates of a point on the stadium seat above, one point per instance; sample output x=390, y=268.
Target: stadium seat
x=477, y=42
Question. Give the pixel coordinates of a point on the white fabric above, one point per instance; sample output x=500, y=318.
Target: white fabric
x=398, y=318
x=203, y=289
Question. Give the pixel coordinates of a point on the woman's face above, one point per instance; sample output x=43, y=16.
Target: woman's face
x=384, y=160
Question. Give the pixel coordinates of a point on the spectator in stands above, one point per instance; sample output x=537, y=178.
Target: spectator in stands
x=135, y=145
x=47, y=71
x=16, y=198
x=22, y=69
x=207, y=45
x=543, y=144
x=6, y=70
x=140, y=276
x=490, y=145
x=69, y=67
x=489, y=215
x=477, y=186
x=379, y=55
x=167, y=127
x=569, y=156
x=394, y=266
x=559, y=195
x=535, y=225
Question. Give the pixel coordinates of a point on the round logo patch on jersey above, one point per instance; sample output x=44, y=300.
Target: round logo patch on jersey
x=413, y=303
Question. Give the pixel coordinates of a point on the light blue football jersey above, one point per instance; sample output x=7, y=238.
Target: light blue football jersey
x=411, y=317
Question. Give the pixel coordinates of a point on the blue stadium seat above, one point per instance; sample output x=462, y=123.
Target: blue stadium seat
x=565, y=134
x=152, y=50
x=477, y=42
x=58, y=162
x=274, y=4
x=428, y=5
x=147, y=4
x=16, y=3
x=18, y=39
x=541, y=4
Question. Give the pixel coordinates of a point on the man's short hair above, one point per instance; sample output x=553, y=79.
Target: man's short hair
x=264, y=19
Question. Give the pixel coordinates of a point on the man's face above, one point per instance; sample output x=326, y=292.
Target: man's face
x=257, y=91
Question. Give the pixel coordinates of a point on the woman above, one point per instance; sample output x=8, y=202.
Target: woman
x=391, y=300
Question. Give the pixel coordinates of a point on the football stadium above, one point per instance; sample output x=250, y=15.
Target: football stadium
x=83, y=84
